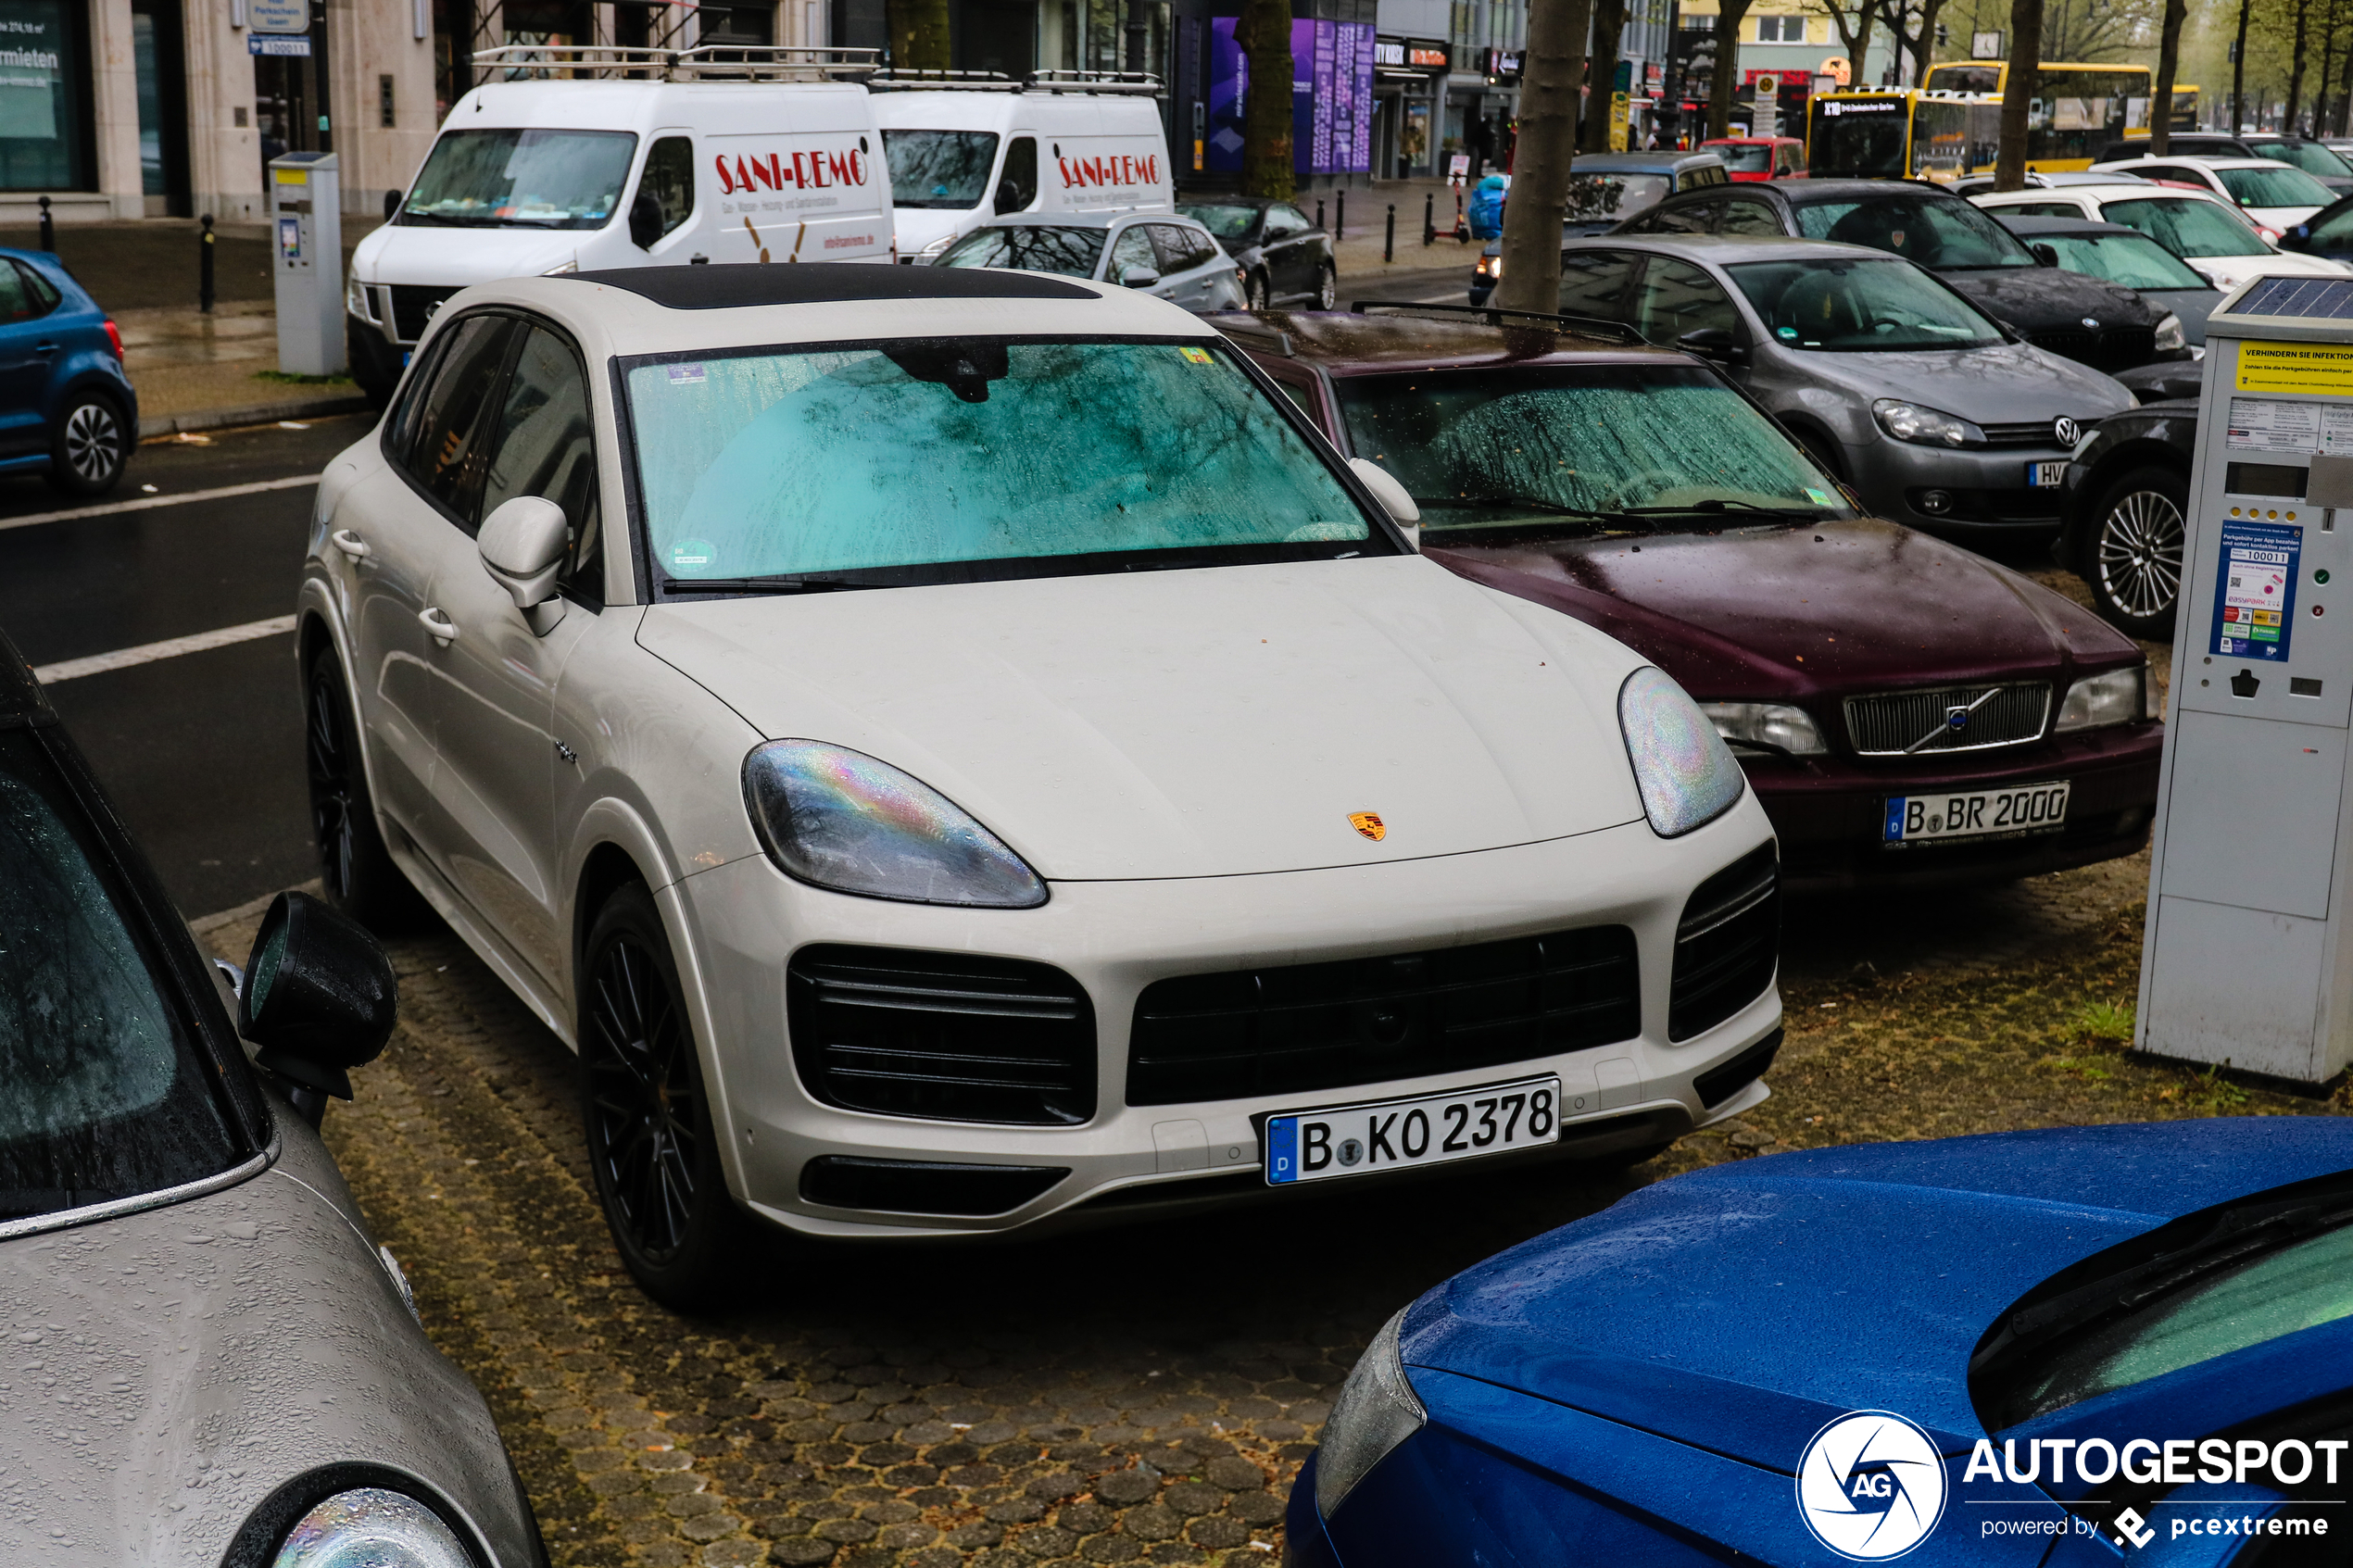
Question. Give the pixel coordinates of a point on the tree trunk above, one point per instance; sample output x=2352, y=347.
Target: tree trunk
x=1263, y=33
x=2345, y=96
x=2238, y=73
x=1731, y=14
x=1601, y=69
x=2018, y=91
x=2169, y=66
x=918, y=31
x=2328, y=63
x=2295, y=72
x=1532, y=254
x=1924, y=46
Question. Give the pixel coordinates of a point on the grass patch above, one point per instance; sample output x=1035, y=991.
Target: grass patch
x=287, y=378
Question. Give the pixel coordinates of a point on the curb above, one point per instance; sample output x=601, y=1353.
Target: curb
x=153, y=425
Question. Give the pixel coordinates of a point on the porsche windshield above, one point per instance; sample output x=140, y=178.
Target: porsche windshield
x=522, y=180
x=101, y=1094
x=1601, y=448
x=967, y=459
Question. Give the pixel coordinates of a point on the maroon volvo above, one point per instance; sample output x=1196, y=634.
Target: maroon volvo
x=1905, y=709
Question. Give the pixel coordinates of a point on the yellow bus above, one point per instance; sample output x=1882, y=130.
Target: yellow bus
x=2080, y=109
x=1902, y=133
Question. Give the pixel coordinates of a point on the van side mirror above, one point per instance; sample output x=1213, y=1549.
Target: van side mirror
x=523, y=547
x=392, y=205
x=1713, y=343
x=1136, y=275
x=645, y=222
x=318, y=998
x=2046, y=255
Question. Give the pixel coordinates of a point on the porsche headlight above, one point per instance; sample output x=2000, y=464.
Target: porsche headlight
x=1686, y=775
x=840, y=819
x=1377, y=1410
x=1769, y=727
x=2119, y=697
x=1923, y=427
x=2170, y=336
x=370, y=1526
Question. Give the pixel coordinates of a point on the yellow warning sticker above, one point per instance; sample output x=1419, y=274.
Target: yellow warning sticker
x=1198, y=356
x=2294, y=367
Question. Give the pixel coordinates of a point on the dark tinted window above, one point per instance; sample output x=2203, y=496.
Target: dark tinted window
x=102, y=1092
x=16, y=297
x=940, y=169
x=1018, y=186
x=1182, y=249
x=1932, y=230
x=44, y=293
x=1749, y=217
x=670, y=180
x=453, y=421
x=1675, y=297
x=1679, y=217
x=546, y=445
x=1593, y=282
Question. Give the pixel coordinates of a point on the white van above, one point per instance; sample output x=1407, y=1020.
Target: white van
x=635, y=158
x=1062, y=142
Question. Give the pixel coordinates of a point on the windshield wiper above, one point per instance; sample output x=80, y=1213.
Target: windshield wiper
x=1624, y=519
x=1745, y=509
x=780, y=585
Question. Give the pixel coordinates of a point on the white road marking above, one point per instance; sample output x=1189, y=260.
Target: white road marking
x=148, y=653
x=108, y=509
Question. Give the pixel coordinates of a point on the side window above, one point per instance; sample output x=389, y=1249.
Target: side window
x=42, y=293
x=670, y=180
x=1181, y=249
x=1749, y=217
x=1133, y=248
x=546, y=445
x=1683, y=218
x=16, y=299
x=1594, y=283
x=1675, y=297
x=446, y=452
x=1705, y=174
x=1017, y=187
x=2040, y=209
x=1286, y=223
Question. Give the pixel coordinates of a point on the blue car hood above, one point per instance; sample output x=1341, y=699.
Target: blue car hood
x=1741, y=1308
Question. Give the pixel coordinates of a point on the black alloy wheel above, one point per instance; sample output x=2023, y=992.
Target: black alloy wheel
x=649, y=1130
x=2133, y=559
x=1254, y=292
x=90, y=449
x=1328, y=288
x=356, y=872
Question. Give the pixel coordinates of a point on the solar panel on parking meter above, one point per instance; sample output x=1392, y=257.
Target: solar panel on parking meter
x=2249, y=955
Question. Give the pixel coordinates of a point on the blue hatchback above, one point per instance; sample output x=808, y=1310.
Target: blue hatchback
x=67, y=409
x=2072, y=1346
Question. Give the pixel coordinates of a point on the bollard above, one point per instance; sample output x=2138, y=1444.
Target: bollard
x=1340, y=216
x=204, y=268
x=49, y=227
x=1430, y=218
x=1319, y=217
x=1389, y=246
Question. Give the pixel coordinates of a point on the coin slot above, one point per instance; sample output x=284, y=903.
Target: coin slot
x=2303, y=685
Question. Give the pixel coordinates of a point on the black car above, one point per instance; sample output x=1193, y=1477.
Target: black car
x=2327, y=234
x=1284, y=258
x=2123, y=518
x=2298, y=151
x=1605, y=189
x=2077, y=318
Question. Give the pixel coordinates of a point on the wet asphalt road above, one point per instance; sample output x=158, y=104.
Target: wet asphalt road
x=202, y=752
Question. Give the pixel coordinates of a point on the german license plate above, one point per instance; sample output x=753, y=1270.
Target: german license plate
x=1986, y=813
x=2051, y=475
x=1356, y=1140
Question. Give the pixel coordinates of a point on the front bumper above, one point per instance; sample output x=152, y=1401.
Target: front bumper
x=1990, y=497
x=1828, y=811
x=1113, y=938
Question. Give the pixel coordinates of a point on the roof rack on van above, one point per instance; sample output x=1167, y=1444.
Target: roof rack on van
x=894, y=78
x=708, y=62
x=1583, y=326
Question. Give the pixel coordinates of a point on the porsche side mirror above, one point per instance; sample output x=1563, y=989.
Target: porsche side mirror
x=1136, y=275
x=392, y=205
x=645, y=222
x=1713, y=343
x=2046, y=255
x=523, y=547
x=318, y=998
x=1395, y=498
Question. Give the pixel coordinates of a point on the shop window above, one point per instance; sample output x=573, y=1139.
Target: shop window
x=44, y=142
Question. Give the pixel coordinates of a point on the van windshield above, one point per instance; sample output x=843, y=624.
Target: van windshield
x=511, y=179
x=939, y=169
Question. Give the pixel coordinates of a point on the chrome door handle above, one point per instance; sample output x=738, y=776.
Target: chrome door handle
x=444, y=630
x=350, y=543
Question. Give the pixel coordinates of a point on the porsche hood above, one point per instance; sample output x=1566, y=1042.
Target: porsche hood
x=1215, y=721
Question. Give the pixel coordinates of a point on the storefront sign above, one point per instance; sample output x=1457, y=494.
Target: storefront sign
x=1410, y=54
x=278, y=16
x=1331, y=96
x=32, y=41
x=1502, y=62
x=1429, y=57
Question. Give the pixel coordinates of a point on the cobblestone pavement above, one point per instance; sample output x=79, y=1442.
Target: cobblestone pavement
x=1128, y=1396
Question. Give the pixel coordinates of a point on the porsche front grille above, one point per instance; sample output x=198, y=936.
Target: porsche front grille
x=1942, y=718
x=1727, y=944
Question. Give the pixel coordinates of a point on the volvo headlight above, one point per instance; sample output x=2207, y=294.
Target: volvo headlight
x=1769, y=726
x=2120, y=696
x=355, y=300
x=1686, y=775
x=370, y=1526
x=1923, y=427
x=1377, y=1410
x=840, y=819
x=2170, y=336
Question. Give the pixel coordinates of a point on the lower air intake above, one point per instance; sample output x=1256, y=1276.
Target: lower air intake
x=1728, y=945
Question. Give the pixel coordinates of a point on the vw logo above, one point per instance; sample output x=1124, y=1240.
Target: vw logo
x=1871, y=1486
x=2066, y=432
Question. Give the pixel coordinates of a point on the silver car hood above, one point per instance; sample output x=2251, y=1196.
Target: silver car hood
x=163, y=1373
x=2007, y=384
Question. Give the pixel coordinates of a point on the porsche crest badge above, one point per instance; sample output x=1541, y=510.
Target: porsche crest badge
x=1369, y=825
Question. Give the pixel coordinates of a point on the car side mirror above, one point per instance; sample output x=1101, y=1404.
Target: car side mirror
x=523, y=547
x=1008, y=197
x=318, y=998
x=2298, y=238
x=2046, y=255
x=1136, y=275
x=1713, y=343
x=1395, y=499
x=645, y=222
x=392, y=205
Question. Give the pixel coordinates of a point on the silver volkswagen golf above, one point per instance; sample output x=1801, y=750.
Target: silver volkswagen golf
x=1933, y=413
x=207, y=1359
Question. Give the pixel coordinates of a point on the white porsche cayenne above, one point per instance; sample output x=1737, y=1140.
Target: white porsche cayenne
x=954, y=750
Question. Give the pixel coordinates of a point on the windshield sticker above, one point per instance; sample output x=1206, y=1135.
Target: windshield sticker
x=687, y=554
x=1198, y=356
x=1787, y=335
x=681, y=375
x=1819, y=497
x=2255, y=598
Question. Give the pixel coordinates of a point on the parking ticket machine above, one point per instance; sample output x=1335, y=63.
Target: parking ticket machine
x=306, y=262
x=2247, y=957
